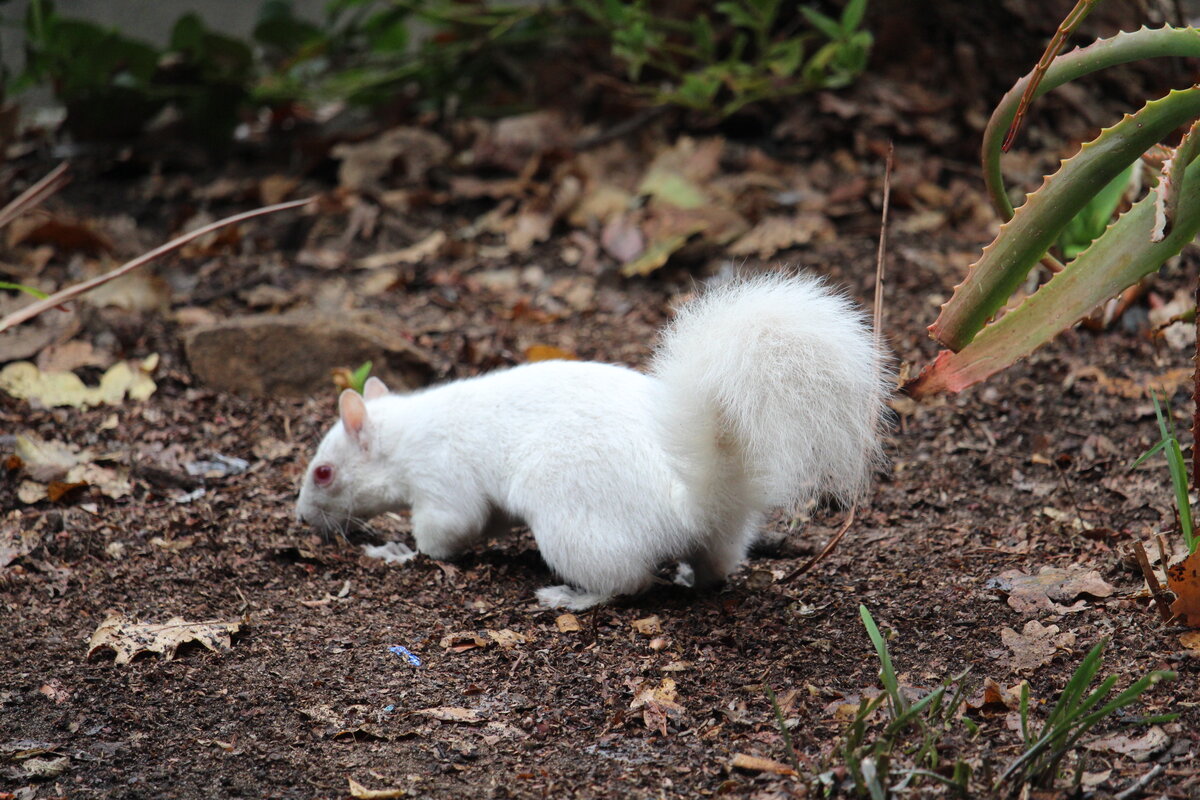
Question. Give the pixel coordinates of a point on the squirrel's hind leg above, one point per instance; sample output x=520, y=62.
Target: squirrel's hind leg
x=721, y=554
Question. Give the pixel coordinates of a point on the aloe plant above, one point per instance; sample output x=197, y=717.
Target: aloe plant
x=1156, y=228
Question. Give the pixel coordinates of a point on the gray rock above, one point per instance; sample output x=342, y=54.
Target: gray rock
x=293, y=354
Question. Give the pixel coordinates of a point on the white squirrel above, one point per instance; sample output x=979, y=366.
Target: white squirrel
x=765, y=392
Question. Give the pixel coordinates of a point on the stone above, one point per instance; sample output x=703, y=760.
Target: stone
x=292, y=354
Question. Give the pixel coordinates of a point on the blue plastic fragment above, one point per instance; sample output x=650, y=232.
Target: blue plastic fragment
x=401, y=650
x=389, y=708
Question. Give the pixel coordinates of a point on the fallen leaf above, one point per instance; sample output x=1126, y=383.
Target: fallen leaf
x=649, y=626
x=430, y=246
x=1183, y=578
x=23, y=380
x=128, y=638
x=1190, y=640
x=466, y=716
x=56, y=490
x=464, y=640
x=657, y=703
x=566, y=623
x=67, y=235
x=1032, y=593
x=545, y=352
x=47, y=461
x=1139, y=748
x=70, y=356
x=758, y=764
x=995, y=697
x=1036, y=645
x=370, y=163
x=276, y=188
x=363, y=793
x=507, y=639
x=775, y=233
x=113, y=482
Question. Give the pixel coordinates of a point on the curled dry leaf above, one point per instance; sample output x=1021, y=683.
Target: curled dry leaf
x=569, y=623
x=129, y=638
x=758, y=764
x=462, y=641
x=1139, y=748
x=649, y=626
x=657, y=703
x=1183, y=578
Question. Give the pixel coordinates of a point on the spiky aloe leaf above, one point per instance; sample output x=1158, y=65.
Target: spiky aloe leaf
x=1120, y=49
x=1119, y=258
x=1025, y=238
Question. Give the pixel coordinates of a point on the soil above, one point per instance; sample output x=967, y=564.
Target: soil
x=1027, y=471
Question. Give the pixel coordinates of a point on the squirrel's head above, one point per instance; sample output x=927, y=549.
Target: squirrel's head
x=335, y=495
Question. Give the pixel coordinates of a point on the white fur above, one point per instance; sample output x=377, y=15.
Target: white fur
x=765, y=392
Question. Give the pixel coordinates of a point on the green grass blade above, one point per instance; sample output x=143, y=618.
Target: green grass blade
x=17, y=287
x=887, y=674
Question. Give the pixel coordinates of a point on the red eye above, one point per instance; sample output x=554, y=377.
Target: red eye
x=323, y=475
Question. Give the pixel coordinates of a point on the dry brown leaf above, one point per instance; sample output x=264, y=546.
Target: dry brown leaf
x=1032, y=593
x=758, y=764
x=566, y=623
x=129, y=638
x=1139, y=748
x=995, y=697
x=545, y=352
x=466, y=716
x=462, y=641
x=776, y=233
x=363, y=793
x=1036, y=645
x=370, y=164
x=1190, y=641
x=47, y=461
x=430, y=246
x=66, y=235
x=57, y=490
x=649, y=626
x=276, y=188
x=72, y=355
x=507, y=639
x=657, y=703
x=1183, y=578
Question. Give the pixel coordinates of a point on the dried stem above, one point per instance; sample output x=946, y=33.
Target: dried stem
x=1161, y=601
x=1068, y=26
x=35, y=195
x=877, y=317
x=819, y=557
x=33, y=309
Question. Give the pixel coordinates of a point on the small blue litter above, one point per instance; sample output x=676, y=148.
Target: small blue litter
x=401, y=650
x=389, y=708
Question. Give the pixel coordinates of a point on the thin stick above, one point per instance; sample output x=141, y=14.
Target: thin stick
x=32, y=197
x=877, y=316
x=1137, y=786
x=819, y=557
x=1156, y=591
x=33, y=309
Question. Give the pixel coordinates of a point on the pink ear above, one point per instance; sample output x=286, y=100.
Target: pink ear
x=374, y=388
x=354, y=416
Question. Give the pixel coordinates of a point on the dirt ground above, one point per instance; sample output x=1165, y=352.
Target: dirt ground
x=1026, y=472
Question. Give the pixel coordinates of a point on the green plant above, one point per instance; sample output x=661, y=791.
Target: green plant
x=915, y=731
x=16, y=287
x=1168, y=443
x=1154, y=229
x=358, y=378
x=365, y=51
x=1072, y=717
x=745, y=52
x=112, y=85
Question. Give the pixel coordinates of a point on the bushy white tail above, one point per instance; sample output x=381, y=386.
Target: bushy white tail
x=774, y=394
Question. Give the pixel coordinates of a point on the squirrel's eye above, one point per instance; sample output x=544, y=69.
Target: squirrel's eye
x=323, y=475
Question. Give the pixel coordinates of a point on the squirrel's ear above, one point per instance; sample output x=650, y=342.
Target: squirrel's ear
x=354, y=416
x=374, y=388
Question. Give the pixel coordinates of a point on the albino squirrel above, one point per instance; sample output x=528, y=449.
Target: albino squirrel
x=765, y=392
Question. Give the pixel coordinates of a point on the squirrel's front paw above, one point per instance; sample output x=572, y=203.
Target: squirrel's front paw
x=570, y=597
x=390, y=553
